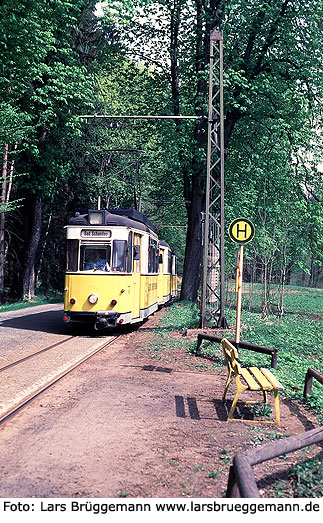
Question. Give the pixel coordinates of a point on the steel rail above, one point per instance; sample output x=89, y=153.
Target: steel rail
x=23, y=403
x=12, y=364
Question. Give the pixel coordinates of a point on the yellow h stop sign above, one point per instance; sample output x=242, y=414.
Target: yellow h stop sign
x=241, y=230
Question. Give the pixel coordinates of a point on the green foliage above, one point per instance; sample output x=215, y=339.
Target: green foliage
x=44, y=80
x=272, y=90
x=13, y=124
x=156, y=175
x=59, y=61
x=49, y=53
x=261, y=410
x=261, y=438
x=305, y=480
x=213, y=474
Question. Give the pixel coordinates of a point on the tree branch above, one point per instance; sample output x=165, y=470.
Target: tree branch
x=271, y=38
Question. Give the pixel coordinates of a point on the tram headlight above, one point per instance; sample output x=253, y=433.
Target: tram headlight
x=93, y=298
x=96, y=217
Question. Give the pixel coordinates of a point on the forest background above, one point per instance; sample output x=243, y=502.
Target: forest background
x=61, y=59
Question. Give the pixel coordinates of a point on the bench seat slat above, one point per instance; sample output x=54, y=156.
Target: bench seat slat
x=273, y=380
x=261, y=378
x=249, y=379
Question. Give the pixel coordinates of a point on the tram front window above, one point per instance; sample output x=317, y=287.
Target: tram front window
x=96, y=258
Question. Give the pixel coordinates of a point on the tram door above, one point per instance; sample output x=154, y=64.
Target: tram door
x=161, y=276
x=136, y=278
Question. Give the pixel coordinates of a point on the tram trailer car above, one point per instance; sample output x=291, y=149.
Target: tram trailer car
x=117, y=271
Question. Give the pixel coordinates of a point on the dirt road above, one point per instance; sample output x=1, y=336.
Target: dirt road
x=127, y=425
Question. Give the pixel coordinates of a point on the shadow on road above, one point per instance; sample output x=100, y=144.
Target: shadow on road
x=52, y=322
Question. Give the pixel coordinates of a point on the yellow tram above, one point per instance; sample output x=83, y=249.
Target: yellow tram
x=118, y=271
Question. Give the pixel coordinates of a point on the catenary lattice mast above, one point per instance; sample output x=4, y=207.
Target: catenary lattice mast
x=212, y=301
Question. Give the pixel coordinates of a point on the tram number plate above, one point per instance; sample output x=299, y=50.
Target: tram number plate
x=90, y=233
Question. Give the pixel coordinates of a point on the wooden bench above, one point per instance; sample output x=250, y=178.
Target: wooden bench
x=255, y=379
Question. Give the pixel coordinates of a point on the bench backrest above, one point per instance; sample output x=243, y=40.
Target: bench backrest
x=231, y=357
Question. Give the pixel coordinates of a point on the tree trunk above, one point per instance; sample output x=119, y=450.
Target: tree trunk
x=283, y=277
x=317, y=276
x=174, y=28
x=193, y=252
x=312, y=270
x=265, y=296
x=194, y=189
x=30, y=258
x=3, y=221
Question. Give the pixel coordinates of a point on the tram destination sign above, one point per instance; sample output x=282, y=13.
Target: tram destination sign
x=241, y=231
x=92, y=233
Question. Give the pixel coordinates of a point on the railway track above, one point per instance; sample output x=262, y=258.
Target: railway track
x=29, y=356
x=20, y=399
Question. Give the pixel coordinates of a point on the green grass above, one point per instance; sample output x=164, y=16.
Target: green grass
x=181, y=315
x=296, y=299
x=305, y=480
x=37, y=300
x=178, y=316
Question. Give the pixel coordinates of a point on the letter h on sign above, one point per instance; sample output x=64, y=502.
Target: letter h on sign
x=242, y=230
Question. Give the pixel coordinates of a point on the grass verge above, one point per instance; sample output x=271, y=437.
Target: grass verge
x=37, y=300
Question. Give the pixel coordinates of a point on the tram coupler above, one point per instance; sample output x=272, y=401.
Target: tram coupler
x=106, y=321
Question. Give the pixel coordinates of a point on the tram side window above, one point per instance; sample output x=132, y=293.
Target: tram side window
x=169, y=263
x=176, y=266
x=129, y=253
x=151, y=252
x=150, y=258
x=153, y=257
x=119, y=255
x=72, y=255
x=157, y=260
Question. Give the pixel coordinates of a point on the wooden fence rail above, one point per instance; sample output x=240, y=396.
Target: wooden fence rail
x=242, y=345
x=311, y=373
x=242, y=482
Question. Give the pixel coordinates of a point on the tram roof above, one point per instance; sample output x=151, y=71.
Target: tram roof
x=164, y=244
x=116, y=217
